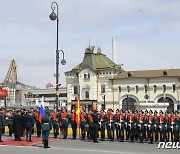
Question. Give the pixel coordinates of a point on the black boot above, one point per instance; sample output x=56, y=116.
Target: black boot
x=47, y=144
x=44, y=141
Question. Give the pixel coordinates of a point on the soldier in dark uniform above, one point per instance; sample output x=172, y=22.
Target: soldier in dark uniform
x=38, y=122
x=18, y=122
x=141, y=128
x=151, y=121
x=146, y=125
x=111, y=124
x=162, y=121
x=46, y=126
x=34, y=119
x=136, y=128
x=95, y=126
x=64, y=122
x=167, y=126
x=54, y=118
x=131, y=122
x=1, y=123
x=90, y=125
x=83, y=124
x=29, y=124
x=173, y=127
x=102, y=124
x=156, y=126
x=126, y=124
x=121, y=126
x=73, y=123
x=116, y=116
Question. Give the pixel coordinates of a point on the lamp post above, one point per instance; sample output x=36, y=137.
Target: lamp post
x=54, y=16
x=104, y=98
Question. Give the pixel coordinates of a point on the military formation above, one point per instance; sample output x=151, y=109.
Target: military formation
x=123, y=125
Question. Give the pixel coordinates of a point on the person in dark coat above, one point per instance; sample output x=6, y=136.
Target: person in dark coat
x=1, y=124
x=18, y=126
x=29, y=124
x=96, y=125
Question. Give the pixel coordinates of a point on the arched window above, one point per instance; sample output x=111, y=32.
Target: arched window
x=87, y=94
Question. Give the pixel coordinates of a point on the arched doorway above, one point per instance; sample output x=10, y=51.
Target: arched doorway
x=129, y=103
x=169, y=100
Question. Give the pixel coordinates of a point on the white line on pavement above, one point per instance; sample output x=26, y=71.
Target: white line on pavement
x=70, y=149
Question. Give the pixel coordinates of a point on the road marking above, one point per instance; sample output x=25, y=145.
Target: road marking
x=68, y=149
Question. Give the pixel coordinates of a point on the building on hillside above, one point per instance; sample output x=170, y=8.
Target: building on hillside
x=99, y=81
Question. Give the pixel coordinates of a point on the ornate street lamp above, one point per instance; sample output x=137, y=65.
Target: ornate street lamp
x=54, y=16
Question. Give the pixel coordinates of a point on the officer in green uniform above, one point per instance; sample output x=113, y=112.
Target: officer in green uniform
x=46, y=126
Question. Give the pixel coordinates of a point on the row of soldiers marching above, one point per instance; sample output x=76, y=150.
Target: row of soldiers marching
x=124, y=125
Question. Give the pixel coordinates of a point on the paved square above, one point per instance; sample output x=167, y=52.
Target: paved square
x=84, y=147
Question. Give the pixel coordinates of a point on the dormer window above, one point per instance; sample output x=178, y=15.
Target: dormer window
x=87, y=76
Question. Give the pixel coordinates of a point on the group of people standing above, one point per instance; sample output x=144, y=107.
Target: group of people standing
x=140, y=126
x=121, y=125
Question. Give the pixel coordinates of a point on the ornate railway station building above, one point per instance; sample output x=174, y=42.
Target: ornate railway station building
x=101, y=82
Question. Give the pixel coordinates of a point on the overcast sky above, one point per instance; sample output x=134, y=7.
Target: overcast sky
x=147, y=34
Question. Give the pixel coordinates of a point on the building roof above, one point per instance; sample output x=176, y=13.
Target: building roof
x=95, y=61
x=149, y=74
